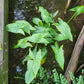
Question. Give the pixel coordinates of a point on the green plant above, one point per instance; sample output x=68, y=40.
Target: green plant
x=60, y=79
x=42, y=77
x=44, y=32
x=78, y=10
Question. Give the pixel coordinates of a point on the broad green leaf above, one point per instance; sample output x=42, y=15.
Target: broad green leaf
x=13, y=27
x=78, y=10
x=64, y=29
x=37, y=21
x=45, y=15
x=35, y=38
x=26, y=26
x=41, y=29
x=55, y=14
x=0, y=46
x=39, y=38
x=45, y=29
x=33, y=66
x=59, y=55
x=20, y=26
x=23, y=43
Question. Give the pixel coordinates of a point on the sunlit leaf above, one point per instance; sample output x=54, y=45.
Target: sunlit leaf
x=26, y=26
x=59, y=55
x=23, y=43
x=33, y=66
x=41, y=29
x=78, y=10
x=39, y=38
x=45, y=29
x=64, y=29
x=13, y=27
x=45, y=15
x=20, y=26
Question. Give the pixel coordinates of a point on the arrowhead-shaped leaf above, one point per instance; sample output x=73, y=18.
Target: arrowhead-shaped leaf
x=64, y=29
x=13, y=27
x=78, y=10
x=33, y=66
x=45, y=15
x=39, y=38
x=59, y=55
x=20, y=26
x=23, y=43
x=41, y=29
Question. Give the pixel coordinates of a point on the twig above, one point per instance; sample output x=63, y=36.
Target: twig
x=67, y=6
x=80, y=68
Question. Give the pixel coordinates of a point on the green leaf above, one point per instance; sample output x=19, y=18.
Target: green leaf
x=72, y=78
x=37, y=21
x=45, y=15
x=45, y=29
x=63, y=79
x=64, y=29
x=20, y=26
x=59, y=55
x=23, y=43
x=13, y=27
x=80, y=80
x=44, y=55
x=55, y=14
x=28, y=57
x=44, y=52
x=39, y=38
x=56, y=76
x=53, y=32
x=26, y=26
x=78, y=10
x=41, y=29
x=33, y=66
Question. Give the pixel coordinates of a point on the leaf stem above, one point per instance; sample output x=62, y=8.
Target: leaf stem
x=71, y=18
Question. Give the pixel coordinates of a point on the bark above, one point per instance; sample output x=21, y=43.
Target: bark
x=75, y=55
